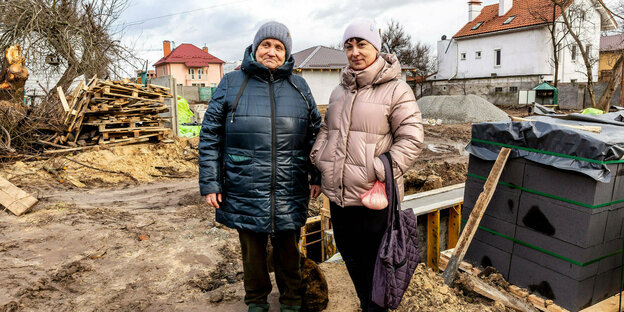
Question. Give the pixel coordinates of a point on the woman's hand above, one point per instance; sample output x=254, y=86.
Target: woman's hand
x=315, y=191
x=213, y=199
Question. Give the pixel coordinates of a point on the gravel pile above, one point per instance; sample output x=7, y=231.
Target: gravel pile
x=454, y=109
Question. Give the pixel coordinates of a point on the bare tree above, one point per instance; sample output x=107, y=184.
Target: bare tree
x=547, y=13
x=575, y=23
x=78, y=33
x=395, y=40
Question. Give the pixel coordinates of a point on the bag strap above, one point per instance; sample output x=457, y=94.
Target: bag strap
x=391, y=187
x=238, y=95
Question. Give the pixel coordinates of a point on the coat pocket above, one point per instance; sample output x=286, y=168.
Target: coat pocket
x=370, y=158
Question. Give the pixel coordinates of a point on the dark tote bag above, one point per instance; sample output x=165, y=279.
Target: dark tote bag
x=398, y=253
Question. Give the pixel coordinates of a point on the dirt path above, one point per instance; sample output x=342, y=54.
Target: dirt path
x=151, y=247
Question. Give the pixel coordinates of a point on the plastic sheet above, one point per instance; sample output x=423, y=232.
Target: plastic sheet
x=546, y=140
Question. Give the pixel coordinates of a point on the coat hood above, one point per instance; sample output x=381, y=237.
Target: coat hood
x=252, y=67
x=385, y=68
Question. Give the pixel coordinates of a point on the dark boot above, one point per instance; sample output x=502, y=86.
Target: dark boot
x=258, y=307
x=287, y=308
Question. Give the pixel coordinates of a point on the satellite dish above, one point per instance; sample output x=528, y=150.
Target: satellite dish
x=443, y=37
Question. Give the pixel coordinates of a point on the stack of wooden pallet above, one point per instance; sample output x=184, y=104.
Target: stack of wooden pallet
x=104, y=112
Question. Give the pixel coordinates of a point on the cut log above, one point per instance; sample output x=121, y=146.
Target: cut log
x=475, y=217
x=15, y=199
x=475, y=284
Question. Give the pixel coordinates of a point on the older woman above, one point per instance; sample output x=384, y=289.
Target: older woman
x=253, y=164
x=371, y=112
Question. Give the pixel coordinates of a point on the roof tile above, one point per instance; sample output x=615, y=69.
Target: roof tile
x=190, y=55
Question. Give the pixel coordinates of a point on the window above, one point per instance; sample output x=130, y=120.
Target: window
x=497, y=57
x=477, y=26
x=192, y=73
x=507, y=21
x=573, y=52
x=164, y=71
x=478, y=55
x=588, y=49
x=463, y=56
x=498, y=89
x=513, y=89
x=200, y=72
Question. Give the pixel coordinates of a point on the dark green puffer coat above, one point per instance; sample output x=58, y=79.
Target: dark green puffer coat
x=257, y=154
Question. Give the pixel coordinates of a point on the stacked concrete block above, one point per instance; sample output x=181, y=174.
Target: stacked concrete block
x=549, y=230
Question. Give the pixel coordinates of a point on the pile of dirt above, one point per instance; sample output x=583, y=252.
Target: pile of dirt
x=112, y=166
x=434, y=175
x=453, y=109
x=428, y=293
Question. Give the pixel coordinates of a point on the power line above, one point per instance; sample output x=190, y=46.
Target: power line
x=138, y=22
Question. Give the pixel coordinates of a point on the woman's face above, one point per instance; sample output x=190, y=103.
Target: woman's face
x=360, y=54
x=271, y=53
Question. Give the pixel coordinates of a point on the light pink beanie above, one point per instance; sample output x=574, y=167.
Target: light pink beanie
x=363, y=28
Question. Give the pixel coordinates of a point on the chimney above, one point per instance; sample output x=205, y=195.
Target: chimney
x=205, y=48
x=166, y=47
x=474, y=9
x=504, y=6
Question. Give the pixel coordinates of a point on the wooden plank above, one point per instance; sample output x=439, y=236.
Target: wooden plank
x=475, y=216
x=477, y=285
x=433, y=240
x=595, y=129
x=61, y=96
x=15, y=199
x=454, y=225
x=611, y=304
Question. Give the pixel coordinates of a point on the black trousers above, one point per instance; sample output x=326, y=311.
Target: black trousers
x=358, y=232
x=286, y=262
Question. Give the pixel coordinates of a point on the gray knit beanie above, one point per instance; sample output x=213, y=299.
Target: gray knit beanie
x=363, y=28
x=273, y=30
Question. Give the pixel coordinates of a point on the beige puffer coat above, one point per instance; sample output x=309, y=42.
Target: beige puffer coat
x=371, y=112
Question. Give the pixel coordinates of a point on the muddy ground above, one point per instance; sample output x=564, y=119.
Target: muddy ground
x=138, y=237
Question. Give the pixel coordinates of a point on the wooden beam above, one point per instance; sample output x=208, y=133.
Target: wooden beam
x=433, y=240
x=477, y=285
x=594, y=129
x=14, y=198
x=454, y=226
x=475, y=216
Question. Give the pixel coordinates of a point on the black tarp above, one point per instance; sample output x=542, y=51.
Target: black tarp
x=546, y=140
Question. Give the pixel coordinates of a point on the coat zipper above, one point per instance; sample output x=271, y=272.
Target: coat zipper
x=347, y=142
x=273, y=153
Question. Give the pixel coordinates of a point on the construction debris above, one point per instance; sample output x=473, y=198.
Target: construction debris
x=103, y=112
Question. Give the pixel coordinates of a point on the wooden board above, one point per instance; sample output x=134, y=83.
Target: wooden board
x=14, y=198
x=611, y=304
x=61, y=95
x=433, y=240
x=476, y=215
x=454, y=225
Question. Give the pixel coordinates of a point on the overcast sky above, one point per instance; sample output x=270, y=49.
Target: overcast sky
x=227, y=27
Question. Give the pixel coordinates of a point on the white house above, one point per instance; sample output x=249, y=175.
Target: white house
x=320, y=66
x=506, y=47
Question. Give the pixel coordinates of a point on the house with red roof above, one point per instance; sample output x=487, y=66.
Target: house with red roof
x=506, y=47
x=190, y=65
